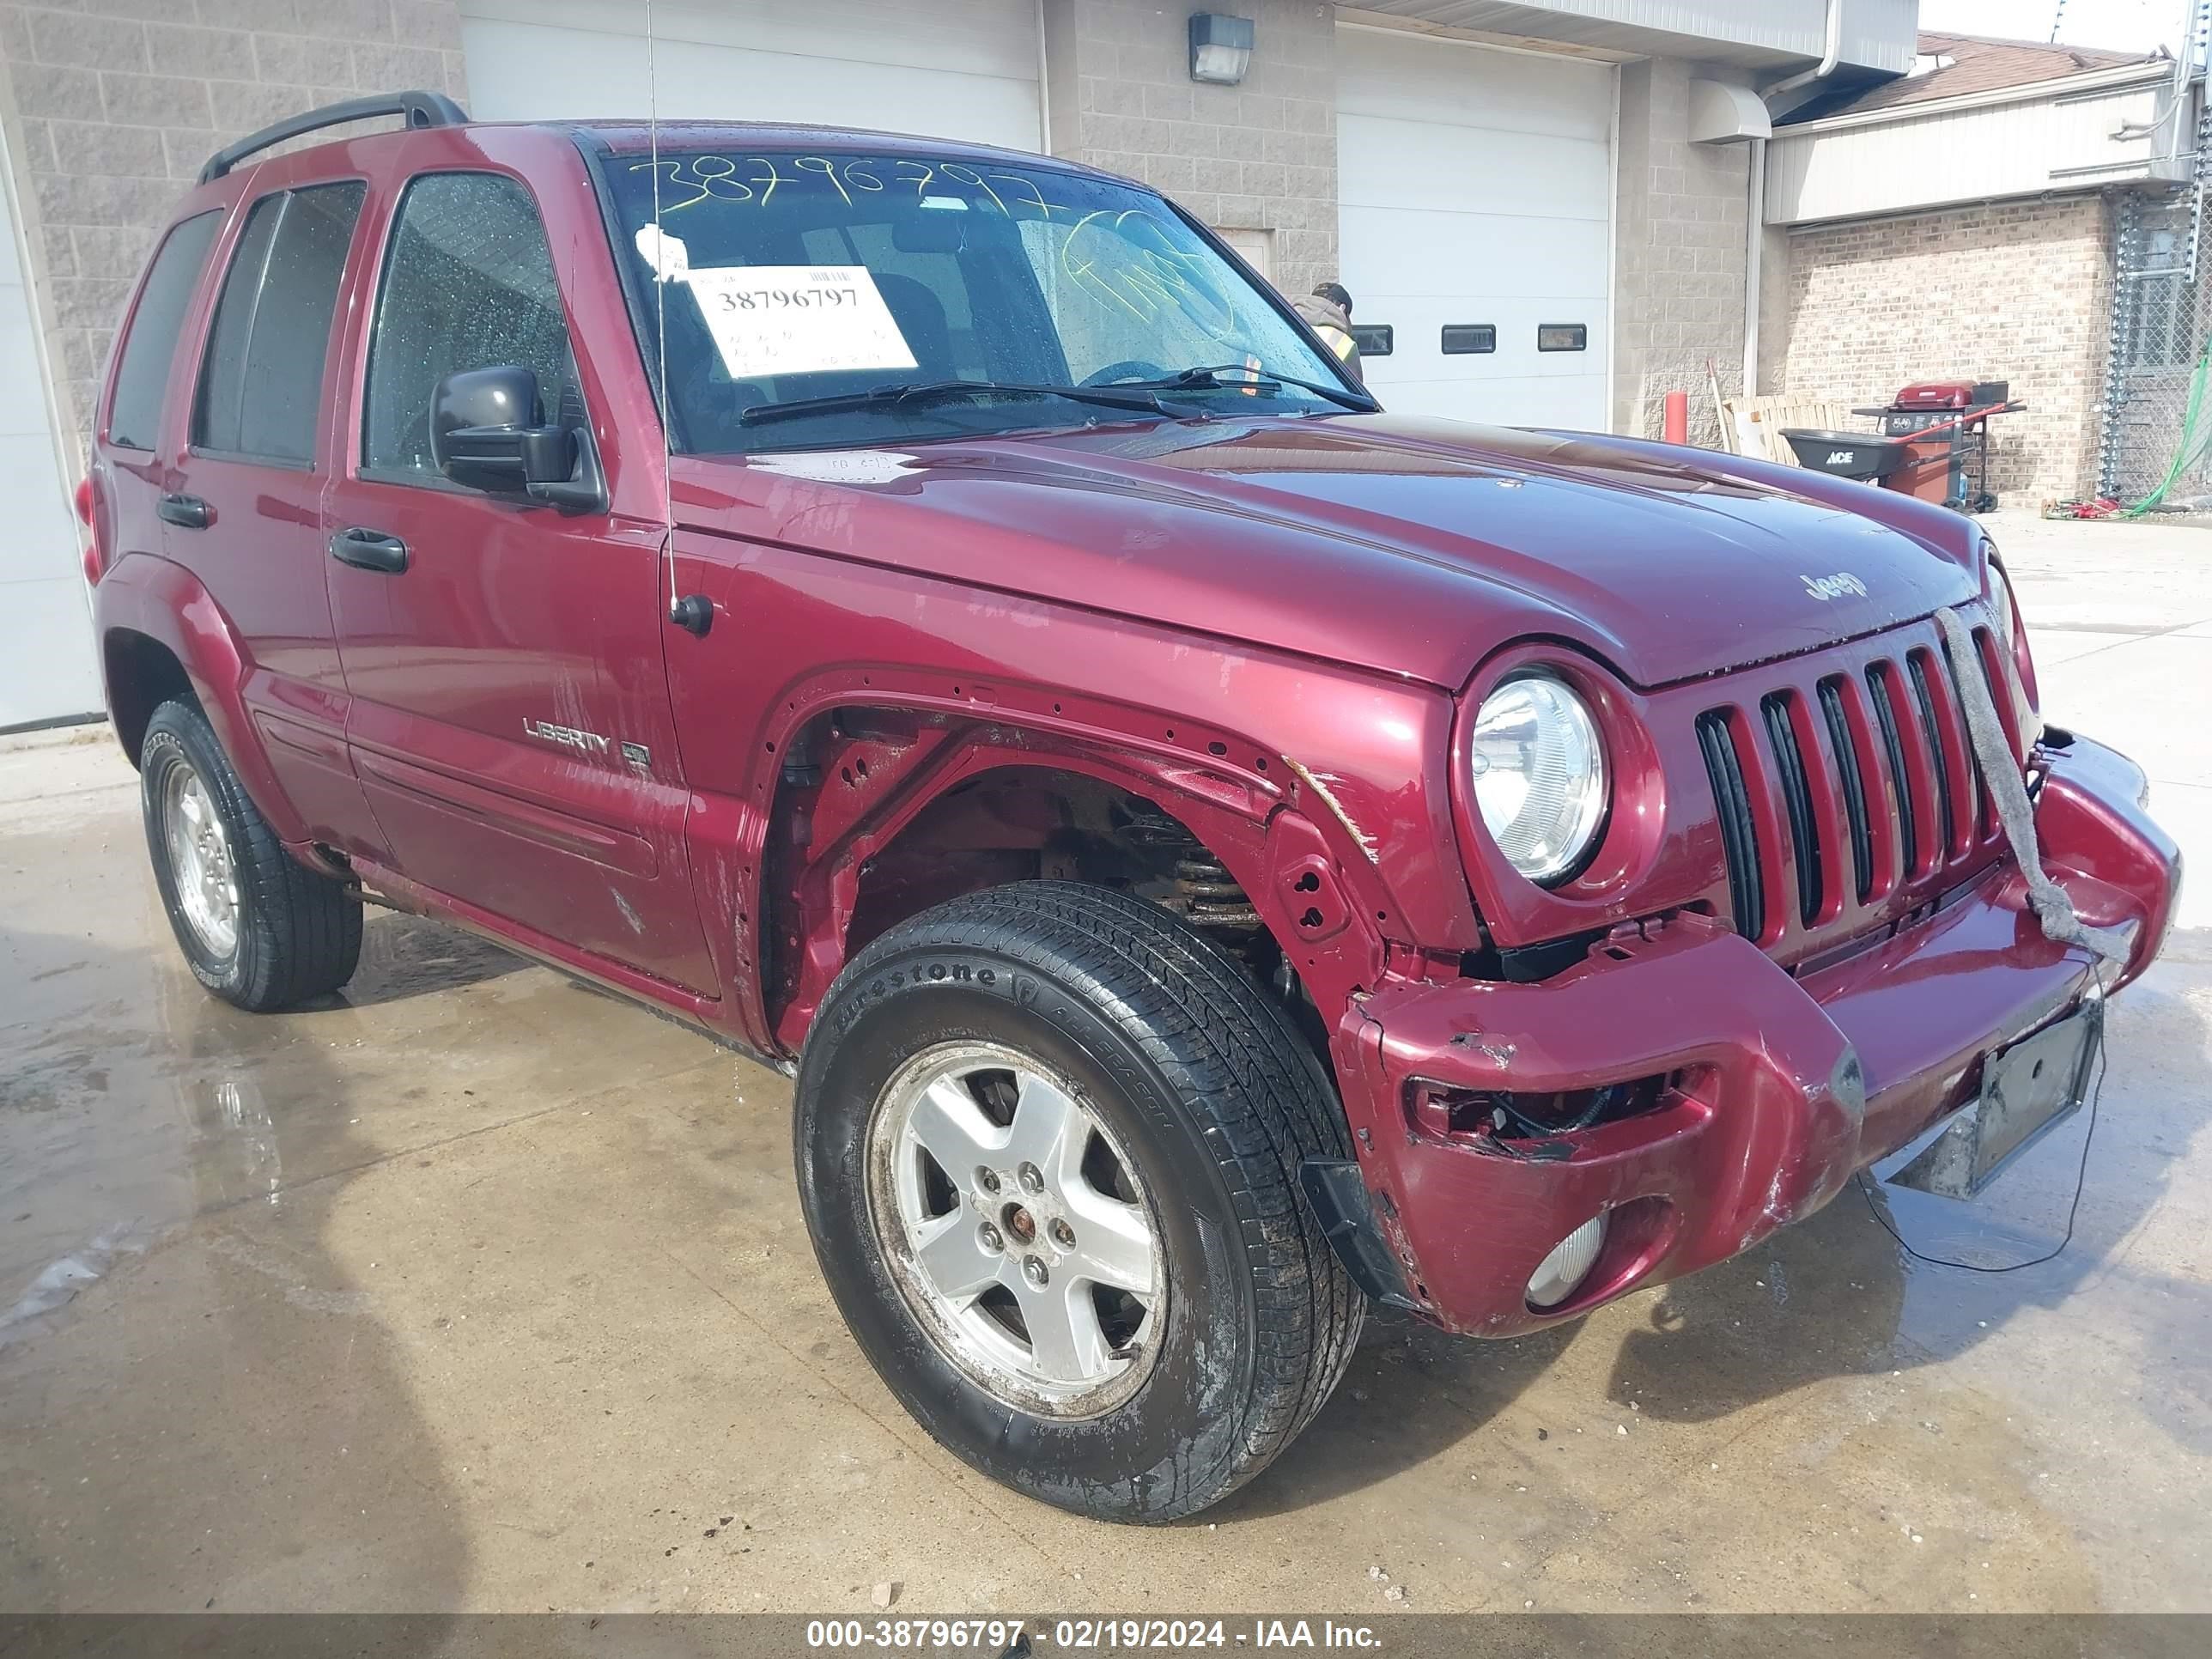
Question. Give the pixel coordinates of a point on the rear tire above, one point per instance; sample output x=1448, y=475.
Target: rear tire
x=1160, y=1314
x=259, y=928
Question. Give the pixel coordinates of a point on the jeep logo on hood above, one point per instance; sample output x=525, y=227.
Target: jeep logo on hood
x=1825, y=588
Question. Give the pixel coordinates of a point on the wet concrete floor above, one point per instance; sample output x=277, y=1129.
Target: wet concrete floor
x=477, y=1290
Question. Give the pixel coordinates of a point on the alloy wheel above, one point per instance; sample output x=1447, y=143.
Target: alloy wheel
x=1016, y=1229
x=199, y=858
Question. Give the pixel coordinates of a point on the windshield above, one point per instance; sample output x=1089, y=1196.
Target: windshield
x=791, y=278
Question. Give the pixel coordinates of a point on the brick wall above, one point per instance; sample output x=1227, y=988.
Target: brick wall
x=110, y=106
x=2017, y=291
x=1679, y=263
x=1260, y=155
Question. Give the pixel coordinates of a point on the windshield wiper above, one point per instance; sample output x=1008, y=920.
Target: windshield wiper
x=1133, y=398
x=1209, y=379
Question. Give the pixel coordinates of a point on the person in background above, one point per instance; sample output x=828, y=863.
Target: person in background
x=1327, y=312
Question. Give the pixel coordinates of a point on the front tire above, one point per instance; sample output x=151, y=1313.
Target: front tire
x=259, y=928
x=1048, y=1141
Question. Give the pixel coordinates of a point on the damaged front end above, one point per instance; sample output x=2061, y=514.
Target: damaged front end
x=1530, y=1150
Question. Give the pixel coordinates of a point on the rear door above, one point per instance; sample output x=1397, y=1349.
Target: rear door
x=243, y=506
x=510, y=717
x=130, y=471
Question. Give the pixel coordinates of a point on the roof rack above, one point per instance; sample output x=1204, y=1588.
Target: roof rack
x=421, y=109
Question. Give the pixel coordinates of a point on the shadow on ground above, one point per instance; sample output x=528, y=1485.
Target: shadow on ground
x=199, y=1405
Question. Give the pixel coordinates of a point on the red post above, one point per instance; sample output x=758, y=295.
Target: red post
x=1677, y=427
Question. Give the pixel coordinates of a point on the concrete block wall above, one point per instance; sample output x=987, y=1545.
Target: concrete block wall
x=1679, y=255
x=108, y=108
x=1260, y=155
x=2015, y=291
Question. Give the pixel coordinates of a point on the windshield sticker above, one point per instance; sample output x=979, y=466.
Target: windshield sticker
x=670, y=259
x=796, y=319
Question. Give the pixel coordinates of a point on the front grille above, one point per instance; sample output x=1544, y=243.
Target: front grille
x=1739, y=833
x=1796, y=802
x=1924, y=699
x=1834, y=793
x=1851, y=765
x=1881, y=686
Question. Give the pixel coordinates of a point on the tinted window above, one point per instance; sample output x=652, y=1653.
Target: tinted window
x=467, y=284
x=261, y=389
x=134, y=419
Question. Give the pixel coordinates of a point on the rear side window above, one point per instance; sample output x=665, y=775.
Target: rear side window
x=467, y=284
x=134, y=419
x=261, y=386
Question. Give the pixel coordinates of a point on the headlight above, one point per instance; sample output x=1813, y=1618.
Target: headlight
x=2008, y=612
x=1540, y=775
x=2006, y=617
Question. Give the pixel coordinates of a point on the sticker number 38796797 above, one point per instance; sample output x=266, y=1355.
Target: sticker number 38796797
x=784, y=298
x=796, y=319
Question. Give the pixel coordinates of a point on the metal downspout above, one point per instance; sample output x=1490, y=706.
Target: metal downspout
x=1831, y=50
x=1754, y=249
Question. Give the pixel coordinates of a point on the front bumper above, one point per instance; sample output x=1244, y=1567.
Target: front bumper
x=1781, y=1086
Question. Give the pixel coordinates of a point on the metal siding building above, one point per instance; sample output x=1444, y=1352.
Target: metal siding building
x=2118, y=130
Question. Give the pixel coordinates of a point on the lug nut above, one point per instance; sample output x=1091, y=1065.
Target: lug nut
x=988, y=1180
x=1033, y=1270
x=991, y=1239
x=1063, y=1235
x=1031, y=1178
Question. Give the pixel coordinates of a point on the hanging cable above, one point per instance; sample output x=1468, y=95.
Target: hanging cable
x=2073, y=1210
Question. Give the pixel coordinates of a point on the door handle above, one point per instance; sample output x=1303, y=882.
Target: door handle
x=189, y=511
x=369, y=550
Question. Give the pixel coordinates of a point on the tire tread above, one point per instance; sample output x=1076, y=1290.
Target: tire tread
x=1259, y=1096
x=299, y=930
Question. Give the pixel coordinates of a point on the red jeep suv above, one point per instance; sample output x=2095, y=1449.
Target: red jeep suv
x=1209, y=853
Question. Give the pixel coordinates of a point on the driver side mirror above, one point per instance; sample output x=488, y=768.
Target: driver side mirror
x=488, y=432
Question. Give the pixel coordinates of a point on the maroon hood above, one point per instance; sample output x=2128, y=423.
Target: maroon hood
x=1410, y=547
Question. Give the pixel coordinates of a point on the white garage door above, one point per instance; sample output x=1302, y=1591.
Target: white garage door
x=1476, y=193
x=46, y=666
x=956, y=68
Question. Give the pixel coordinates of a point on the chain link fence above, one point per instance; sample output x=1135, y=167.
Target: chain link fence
x=2154, y=442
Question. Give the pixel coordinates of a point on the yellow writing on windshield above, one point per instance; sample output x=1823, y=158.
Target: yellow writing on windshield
x=1135, y=260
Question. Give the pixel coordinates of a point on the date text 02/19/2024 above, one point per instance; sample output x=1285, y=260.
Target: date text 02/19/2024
x=995, y=1635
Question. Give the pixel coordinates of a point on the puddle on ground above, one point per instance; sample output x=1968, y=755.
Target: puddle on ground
x=60, y=1281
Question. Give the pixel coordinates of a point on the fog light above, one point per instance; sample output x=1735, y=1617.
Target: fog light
x=1559, y=1273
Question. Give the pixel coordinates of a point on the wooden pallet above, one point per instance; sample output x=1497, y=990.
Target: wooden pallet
x=1753, y=425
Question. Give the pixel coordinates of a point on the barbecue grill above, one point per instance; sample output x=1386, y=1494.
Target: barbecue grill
x=1933, y=442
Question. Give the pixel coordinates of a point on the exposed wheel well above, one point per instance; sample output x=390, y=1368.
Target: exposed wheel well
x=1019, y=823
x=142, y=674
x=1022, y=823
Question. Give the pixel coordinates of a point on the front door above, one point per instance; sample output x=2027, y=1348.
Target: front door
x=510, y=718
